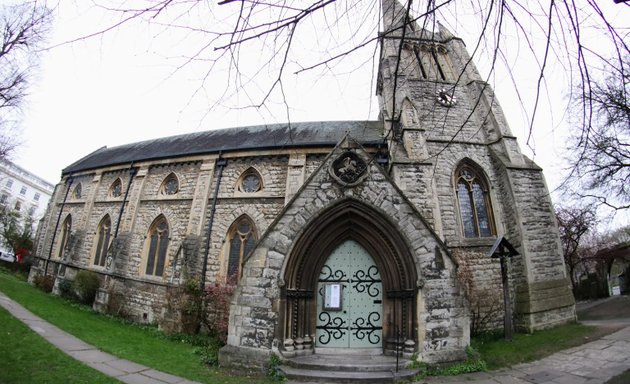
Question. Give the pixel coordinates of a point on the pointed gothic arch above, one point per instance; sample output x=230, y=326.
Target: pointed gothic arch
x=473, y=200
x=240, y=240
x=66, y=230
x=250, y=181
x=409, y=114
x=103, y=236
x=350, y=219
x=156, y=247
x=170, y=185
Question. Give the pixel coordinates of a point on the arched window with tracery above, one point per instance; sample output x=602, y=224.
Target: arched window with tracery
x=170, y=185
x=115, y=190
x=78, y=191
x=103, y=235
x=157, y=246
x=66, y=229
x=250, y=181
x=241, y=238
x=473, y=197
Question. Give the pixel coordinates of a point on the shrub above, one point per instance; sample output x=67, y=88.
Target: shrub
x=86, y=284
x=44, y=282
x=218, y=298
x=66, y=290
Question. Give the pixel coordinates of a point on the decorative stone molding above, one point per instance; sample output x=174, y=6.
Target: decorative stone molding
x=349, y=169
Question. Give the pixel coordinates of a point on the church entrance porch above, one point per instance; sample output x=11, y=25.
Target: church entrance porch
x=349, y=300
x=349, y=286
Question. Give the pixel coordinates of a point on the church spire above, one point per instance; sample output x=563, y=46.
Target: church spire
x=394, y=15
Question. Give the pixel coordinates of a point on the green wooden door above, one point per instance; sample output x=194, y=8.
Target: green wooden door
x=349, y=300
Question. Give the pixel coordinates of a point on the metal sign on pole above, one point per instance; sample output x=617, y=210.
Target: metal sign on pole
x=502, y=249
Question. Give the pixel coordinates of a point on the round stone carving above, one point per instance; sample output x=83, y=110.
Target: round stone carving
x=348, y=169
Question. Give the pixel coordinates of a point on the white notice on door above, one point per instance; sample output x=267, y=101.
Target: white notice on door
x=332, y=299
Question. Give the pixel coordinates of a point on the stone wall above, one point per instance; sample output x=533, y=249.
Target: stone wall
x=254, y=322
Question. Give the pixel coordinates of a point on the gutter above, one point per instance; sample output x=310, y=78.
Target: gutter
x=221, y=163
x=132, y=173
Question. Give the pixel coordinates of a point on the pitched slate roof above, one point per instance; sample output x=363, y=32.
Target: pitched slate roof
x=275, y=136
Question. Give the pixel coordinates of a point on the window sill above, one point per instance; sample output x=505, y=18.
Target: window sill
x=473, y=242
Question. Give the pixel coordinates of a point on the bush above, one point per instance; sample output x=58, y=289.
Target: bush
x=218, y=298
x=86, y=284
x=44, y=282
x=66, y=290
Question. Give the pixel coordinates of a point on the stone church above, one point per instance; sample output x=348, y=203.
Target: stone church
x=354, y=236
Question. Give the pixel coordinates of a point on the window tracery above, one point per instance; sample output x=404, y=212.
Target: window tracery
x=250, y=182
x=103, y=236
x=78, y=190
x=170, y=185
x=474, y=202
x=66, y=227
x=116, y=188
x=241, y=240
x=157, y=243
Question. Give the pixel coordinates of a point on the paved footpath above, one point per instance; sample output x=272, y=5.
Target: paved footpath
x=592, y=363
x=123, y=370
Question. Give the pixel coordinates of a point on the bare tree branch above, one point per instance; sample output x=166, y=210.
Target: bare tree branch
x=22, y=31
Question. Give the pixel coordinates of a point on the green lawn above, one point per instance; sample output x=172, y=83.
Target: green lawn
x=25, y=357
x=141, y=344
x=624, y=378
x=147, y=346
x=498, y=353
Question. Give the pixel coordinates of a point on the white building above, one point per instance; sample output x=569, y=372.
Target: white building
x=23, y=191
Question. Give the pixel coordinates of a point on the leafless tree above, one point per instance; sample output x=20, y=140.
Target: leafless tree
x=290, y=37
x=22, y=30
x=600, y=155
x=574, y=224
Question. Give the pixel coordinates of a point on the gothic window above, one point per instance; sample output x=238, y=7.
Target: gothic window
x=241, y=240
x=157, y=245
x=474, y=202
x=116, y=188
x=250, y=181
x=103, y=235
x=77, y=191
x=66, y=227
x=433, y=62
x=410, y=115
x=170, y=185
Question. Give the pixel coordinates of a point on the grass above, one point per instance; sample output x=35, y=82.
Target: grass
x=624, y=378
x=147, y=346
x=498, y=353
x=27, y=358
x=141, y=344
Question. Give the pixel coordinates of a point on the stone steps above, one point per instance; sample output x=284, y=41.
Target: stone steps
x=346, y=369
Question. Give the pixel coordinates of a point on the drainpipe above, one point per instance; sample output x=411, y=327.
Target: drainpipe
x=132, y=173
x=221, y=163
x=69, y=181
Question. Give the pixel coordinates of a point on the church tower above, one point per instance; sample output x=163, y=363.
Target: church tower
x=453, y=154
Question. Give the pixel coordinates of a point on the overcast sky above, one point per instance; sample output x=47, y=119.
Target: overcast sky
x=121, y=87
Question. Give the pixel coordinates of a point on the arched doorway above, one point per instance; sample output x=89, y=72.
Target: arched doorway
x=349, y=224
